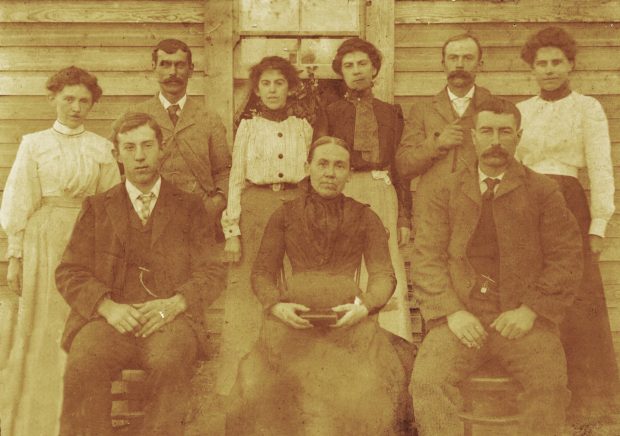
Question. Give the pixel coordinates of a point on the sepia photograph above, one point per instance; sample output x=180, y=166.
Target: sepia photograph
x=309, y=217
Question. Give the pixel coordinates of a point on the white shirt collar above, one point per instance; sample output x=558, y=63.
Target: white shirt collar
x=482, y=176
x=467, y=96
x=134, y=192
x=61, y=128
x=166, y=104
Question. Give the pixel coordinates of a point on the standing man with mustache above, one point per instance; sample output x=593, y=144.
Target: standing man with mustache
x=196, y=155
x=496, y=263
x=436, y=140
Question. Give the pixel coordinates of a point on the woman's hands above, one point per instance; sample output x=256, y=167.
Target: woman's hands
x=14, y=275
x=232, y=249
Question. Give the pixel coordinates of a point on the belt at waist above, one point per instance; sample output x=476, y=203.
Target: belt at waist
x=69, y=202
x=555, y=168
x=277, y=186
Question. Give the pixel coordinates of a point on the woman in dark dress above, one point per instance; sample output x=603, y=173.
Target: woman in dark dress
x=339, y=377
x=373, y=128
x=565, y=132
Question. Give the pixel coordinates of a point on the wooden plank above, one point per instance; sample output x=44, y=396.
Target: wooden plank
x=334, y=15
x=91, y=58
x=102, y=11
x=477, y=11
x=296, y=33
x=219, y=60
x=610, y=103
x=380, y=31
x=504, y=59
x=113, y=83
x=100, y=35
x=503, y=34
x=37, y=107
x=611, y=272
x=612, y=249
x=282, y=15
x=585, y=82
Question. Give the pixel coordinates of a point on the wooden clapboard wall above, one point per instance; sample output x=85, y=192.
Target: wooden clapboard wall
x=113, y=40
x=421, y=27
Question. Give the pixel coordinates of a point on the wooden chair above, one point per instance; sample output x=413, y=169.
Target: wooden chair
x=128, y=399
x=494, y=393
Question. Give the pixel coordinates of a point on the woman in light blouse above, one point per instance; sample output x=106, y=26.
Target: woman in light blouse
x=269, y=152
x=564, y=132
x=53, y=171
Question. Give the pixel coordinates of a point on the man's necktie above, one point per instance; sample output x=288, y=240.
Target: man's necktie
x=144, y=205
x=173, y=113
x=491, y=183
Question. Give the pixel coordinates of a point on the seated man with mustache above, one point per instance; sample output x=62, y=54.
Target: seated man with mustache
x=496, y=263
x=435, y=140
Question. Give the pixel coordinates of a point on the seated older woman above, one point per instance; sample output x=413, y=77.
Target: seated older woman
x=322, y=364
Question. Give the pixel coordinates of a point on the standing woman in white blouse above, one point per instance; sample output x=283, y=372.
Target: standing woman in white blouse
x=53, y=171
x=268, y=161
x=563, y=132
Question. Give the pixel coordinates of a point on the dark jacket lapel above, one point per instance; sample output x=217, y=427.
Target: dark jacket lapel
x=513, y=178
x=188, y=115
x=157, y=111
x=116, y=208
x=471, y=187
x=164, y=208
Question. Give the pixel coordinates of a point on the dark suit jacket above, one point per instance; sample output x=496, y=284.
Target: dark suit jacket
x=94, y=263
x=200, y=135
x=415, y=156
x=539, y=242
x=341, y=124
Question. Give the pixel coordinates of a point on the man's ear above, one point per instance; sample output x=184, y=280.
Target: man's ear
x=191, y=70
x=116, y=154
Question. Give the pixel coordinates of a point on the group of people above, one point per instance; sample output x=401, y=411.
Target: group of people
x=309, y=213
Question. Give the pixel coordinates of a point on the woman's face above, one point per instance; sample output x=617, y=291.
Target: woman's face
x=72, y=103
x=272, y=89
x=358, y=70
x=551, y=68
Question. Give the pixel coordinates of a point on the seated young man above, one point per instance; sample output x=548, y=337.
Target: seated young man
x=138, y=274
x=497, y=259
x=322, y=365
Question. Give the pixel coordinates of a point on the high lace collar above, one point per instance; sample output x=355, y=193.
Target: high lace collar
x=273, y=114
x=556, y=94
x=68, y=131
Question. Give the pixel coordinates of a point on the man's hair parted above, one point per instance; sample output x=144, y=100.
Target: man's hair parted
x=133, y=120
x=498, y=106
x=171, y=46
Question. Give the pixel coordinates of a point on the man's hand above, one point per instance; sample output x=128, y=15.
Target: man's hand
x=123, y=317
x=159, y=312
x=467, y=328
x=515, y=323
x=404, y=233
x=287, y=313
x=354, y=313
x=596, y=244
x=451, y=136
x=232, y=249
x=14, y=275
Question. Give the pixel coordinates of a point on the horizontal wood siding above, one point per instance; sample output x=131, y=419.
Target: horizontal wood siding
x=502, y=29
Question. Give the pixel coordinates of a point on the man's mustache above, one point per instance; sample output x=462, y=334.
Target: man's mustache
x=495, y=151
x=460, y=74
x=173, y=80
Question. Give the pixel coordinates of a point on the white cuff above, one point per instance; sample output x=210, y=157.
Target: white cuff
x=598, y=227
x=231, y=231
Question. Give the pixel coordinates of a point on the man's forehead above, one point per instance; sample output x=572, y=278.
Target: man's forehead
x=141, y=133
x=488, y=119
x=178, y=55
x=466, y=45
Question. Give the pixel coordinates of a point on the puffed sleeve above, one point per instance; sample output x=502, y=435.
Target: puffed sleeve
x=22, y=196
x=599, y=165
x=109, y=174
x=236, y=183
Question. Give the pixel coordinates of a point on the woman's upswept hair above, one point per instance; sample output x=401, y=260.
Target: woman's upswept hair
x=356, y=44
x=274, y=63
x=549, y=37
x=74, y=76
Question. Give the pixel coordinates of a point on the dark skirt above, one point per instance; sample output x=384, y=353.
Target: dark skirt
x=585, y=331
x=318, y=381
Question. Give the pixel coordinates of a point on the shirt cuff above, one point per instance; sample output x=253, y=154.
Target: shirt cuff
x=598, y=227
x=15, y=246
x=231, y=231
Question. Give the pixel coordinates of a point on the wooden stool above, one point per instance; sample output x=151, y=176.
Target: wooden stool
x=128, y=399
x=489, y=381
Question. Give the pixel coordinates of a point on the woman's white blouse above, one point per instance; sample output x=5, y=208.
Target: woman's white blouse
x=265, y=152
x=560, y=137
x=57, y=162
